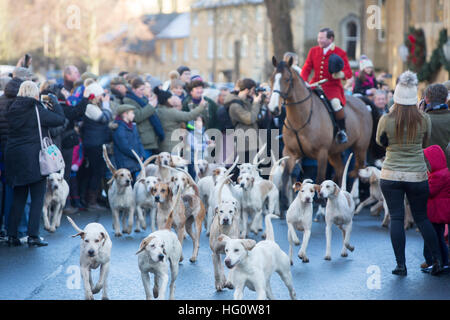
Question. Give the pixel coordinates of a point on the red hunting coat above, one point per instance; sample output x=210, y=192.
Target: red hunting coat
x=319, y=62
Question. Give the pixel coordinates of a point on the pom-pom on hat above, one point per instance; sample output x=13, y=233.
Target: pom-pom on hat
x=406, y=89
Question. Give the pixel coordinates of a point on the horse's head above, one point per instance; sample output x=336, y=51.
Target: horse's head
x=282, y=81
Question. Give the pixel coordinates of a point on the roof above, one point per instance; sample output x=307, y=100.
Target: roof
x=208, y=4
x=177, y=28
x=158, y=22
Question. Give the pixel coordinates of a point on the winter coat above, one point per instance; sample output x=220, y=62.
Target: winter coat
x=142, y=117
x=23, y=146
x=438, y=206
x=126, y=138
x=171, y=120
x=96, y=132
x=244, y=116
x=319, y=62
x=363, y=86
x=6, y=100
x=440, y=129
x=209, y=116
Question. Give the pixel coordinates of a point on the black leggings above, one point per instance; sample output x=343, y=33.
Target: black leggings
x=417, y=194
x=37, y=194
x=97, y=167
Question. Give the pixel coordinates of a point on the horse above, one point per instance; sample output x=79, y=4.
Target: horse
x=308, y=129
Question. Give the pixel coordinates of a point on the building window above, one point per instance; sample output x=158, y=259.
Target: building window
x=195, y=48
x=351, y=36
x=195, y=18
x=230, y=47
x=220, y=48
x=163, y=52
x=185, y=51
x=210, y=47
x=174, y=52
x=230, y=16
x=258, y=13
x=244, y=15
x=210, y=17
x=259, y=45
x=244, y=47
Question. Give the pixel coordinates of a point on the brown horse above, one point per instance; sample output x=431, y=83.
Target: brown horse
x=308, y=130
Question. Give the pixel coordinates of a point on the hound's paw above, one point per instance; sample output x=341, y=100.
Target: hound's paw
x=292, y=263
x=297, y=242
x=97, y=288
x=351, y=248
x=193, y=259
x=105, y=298
x=219, y=287
x=304, y=258
x=344, y=254
x=52, y=230
x=155, y=293
x=328, y=258
x=385, y=225
x=118, y=234
x=137, y=230
x=229, y=285
x=89, y=296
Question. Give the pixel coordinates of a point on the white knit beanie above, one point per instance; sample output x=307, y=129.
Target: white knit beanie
x=95, y=89
x=406, y=89
x=365, y=63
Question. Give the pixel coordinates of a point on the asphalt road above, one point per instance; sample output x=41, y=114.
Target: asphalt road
x=51, y=273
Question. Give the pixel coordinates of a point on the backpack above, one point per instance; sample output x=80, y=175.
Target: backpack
x=224, y=120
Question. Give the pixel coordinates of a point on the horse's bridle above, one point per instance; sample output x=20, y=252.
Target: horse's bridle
x=285, y=96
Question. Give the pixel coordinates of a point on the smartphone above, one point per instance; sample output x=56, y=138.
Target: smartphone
x=26, y=61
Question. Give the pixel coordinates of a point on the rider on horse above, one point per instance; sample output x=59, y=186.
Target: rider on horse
x=319, y=60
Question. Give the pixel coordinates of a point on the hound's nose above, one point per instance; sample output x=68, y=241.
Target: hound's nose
x=157, y=199
x=226, y=221
x=128, y=182
x=308, y=199
x=242, y=185
x=161, y=257
x=228, y=263
x=91, y=253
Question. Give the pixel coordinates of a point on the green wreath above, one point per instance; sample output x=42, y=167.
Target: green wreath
x=437, y=60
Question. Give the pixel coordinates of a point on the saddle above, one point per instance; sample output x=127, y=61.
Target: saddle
x=321, y=95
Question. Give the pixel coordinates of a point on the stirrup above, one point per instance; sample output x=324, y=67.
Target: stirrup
x=341, y=137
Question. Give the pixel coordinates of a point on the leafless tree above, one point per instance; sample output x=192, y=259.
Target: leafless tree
x=279, y=13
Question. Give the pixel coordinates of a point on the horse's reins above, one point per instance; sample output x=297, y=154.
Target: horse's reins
x=285, y=96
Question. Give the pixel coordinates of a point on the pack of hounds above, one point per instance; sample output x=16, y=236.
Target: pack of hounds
x=166, y=195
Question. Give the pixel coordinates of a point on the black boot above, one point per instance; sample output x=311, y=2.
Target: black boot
x=341, y=136
x=400, y=270
x=36, y=242
x=13, y=241
x=437, y=268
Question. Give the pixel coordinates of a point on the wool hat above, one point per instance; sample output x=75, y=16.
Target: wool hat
x=162, y=95
x=365, y=63
x=154, y=82
x=88, y=75
x=182, y=69
x=22, y=73
x=94, y=89
x=118, y=80
x=406, y=89
x=124, y=108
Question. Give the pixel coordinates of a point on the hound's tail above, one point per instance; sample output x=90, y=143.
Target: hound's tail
x=269, y=227
x=344, y=177
x=74, y=225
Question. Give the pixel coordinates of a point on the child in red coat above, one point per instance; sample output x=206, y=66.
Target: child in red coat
x=438, y=206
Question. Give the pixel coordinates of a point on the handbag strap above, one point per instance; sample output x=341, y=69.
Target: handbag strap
x=39, y=126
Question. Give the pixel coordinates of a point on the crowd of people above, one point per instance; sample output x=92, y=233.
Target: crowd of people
x=141, y=113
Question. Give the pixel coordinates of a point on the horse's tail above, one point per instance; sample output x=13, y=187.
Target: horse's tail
x=344, y=177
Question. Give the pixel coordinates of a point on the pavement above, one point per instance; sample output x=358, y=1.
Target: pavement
x=52, y=273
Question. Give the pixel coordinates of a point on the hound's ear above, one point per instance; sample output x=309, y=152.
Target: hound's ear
x=144, y=243
x=216, y=172
x=104, y=236
x=248, y=244
x=223, y=238
x=317, y=188
x=290, y=62
x=274, y=61
x=81, y=234
x=172, y=164
x=297, y=186
x=239, y=180
x=172, y=179
x=157, y=161
x=336, y=190
x=253, y=179
x=373, y=178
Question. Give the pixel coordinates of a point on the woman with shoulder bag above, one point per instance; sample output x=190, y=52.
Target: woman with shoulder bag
x=22, y=158
x=402, y=132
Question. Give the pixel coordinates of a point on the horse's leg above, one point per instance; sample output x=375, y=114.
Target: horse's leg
x=360, y=159
x=322, y=161
x=287, y=192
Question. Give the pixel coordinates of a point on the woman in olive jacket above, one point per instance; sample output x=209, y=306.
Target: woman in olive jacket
x=22, y=158
x=403, y=132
